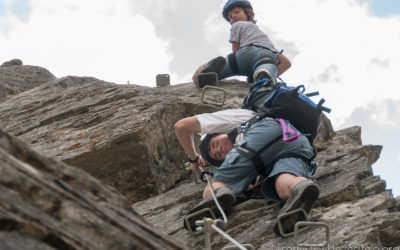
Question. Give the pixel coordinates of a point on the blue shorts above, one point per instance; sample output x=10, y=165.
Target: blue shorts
x=250, y=59
x=294, y=166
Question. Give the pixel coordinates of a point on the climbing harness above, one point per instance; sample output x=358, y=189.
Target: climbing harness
x=233, y=63
x=289, y=134
x=204, y=226
x=289, y=103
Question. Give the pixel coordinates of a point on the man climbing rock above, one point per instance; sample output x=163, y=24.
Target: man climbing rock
x=287, y=166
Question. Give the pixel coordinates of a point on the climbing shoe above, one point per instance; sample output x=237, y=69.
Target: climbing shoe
x=303, y=195
x=261, y=74
x=226, y=198
x=215, y=65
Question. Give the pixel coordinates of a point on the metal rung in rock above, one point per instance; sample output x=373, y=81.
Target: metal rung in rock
x=280, y=217
x=205, y=225
x=312, y=224
x=206, y=89
x=206, y=212
x=247, y=246
x=162, y=80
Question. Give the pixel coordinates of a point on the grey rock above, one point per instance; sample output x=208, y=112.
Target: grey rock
x=12, y=62
x=16, y=78
x=353, y=203
x=397, y=205
x=46, y=204
x=325, y=134
x=123, y=135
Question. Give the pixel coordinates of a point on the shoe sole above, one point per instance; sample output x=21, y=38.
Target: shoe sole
x=261, y=75
x=215, y=66
x=306, y=200
x=225, y=200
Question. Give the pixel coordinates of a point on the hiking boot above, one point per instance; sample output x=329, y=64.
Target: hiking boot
x=215, y=65
x=261, y=74
x=303, y=195
x=226, y=199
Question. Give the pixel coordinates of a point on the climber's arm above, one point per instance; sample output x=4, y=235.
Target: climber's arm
x=284, y=64
x=185, y=130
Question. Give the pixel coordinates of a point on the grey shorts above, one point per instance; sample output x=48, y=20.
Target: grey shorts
x=290, y=165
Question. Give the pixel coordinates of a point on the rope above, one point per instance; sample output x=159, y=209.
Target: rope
x=214, y=197
x=240, y=246
x=213, y=225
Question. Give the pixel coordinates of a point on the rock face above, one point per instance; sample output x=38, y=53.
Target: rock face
x=16, y=78
x=46, y=204
x=123, y=135
x=353, y=203
x=12, y=62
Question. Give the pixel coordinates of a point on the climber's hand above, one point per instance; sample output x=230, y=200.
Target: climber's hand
x=195, y=166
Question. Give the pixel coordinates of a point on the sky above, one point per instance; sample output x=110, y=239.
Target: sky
x=348, y=50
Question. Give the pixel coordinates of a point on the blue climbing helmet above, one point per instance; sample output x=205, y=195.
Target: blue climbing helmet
x=232, y=4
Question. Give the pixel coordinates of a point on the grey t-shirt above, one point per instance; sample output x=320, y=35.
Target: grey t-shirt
x=247, y=33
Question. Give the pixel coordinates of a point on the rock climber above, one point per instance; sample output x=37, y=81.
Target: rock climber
x=290, y=170
x=253, y=53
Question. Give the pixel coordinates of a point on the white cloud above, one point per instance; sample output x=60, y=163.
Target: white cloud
x=93, y=38
x=342, y=49
x=380, y=122
x=340, y=42
x=386, y=114
x=398, y=157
